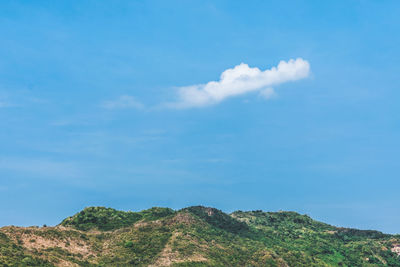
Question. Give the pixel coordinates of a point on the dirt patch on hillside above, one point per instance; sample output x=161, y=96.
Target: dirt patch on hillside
x=168, y=256
x=183, y=218
x=149, y=223
x=58, y=238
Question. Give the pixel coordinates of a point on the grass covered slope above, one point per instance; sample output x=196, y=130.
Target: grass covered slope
x=194, y=236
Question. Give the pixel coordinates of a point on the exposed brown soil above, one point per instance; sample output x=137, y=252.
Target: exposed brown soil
x=168, y=256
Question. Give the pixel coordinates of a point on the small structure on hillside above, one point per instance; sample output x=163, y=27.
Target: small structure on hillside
x=396, y=249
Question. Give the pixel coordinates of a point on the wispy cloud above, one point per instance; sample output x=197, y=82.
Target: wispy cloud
x=240, y=80
x=4, y=104
x=268, y=93
x=123, y=102
x=19, y=98
x=43, y=168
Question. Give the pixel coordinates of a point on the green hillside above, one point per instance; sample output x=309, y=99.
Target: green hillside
x=194, y=236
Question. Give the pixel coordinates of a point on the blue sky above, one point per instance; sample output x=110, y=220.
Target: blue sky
x=94, y=108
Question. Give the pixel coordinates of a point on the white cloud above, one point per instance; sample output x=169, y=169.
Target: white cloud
x=123, y=102
x=240, y=80
x=268, y=93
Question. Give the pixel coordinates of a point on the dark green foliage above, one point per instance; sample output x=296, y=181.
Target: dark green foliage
x=219, y=219
x=101, y=218
x=282, y=219
x=106, y=219
x=156, y=213
x=348, y=234
x=301, y=241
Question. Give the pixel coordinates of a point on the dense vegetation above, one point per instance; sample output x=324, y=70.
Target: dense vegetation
x=106, y=219
x=194, y=236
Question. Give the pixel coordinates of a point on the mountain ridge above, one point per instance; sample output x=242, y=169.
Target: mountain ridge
x=194, y=236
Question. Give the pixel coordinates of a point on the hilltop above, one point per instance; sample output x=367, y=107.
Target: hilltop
x=194, y=236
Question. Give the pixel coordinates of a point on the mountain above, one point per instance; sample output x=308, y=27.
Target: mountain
x=194, y=236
